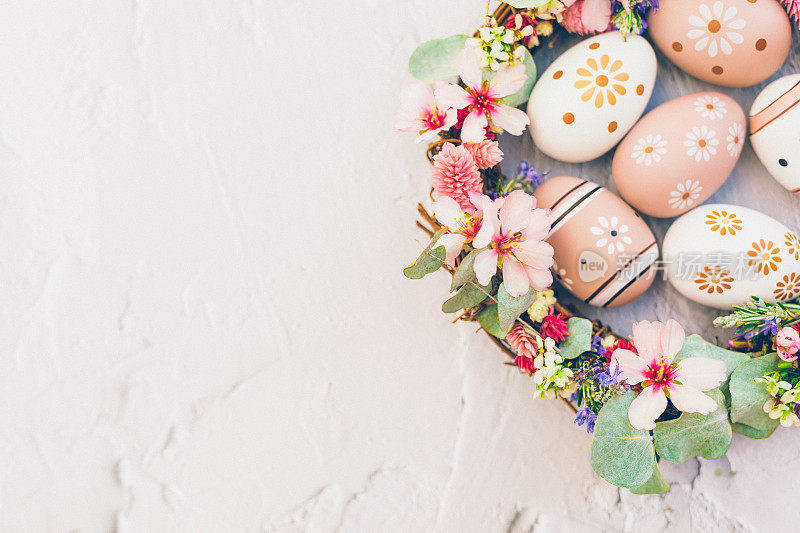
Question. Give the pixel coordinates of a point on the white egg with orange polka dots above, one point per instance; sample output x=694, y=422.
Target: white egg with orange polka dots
x=590, y=96
x=720, y=255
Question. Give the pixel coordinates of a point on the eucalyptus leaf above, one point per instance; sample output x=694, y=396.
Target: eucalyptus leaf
x=430, y=260
x=489, y=321
x=579, y=340
x=521, y=96
x=436, y=59
x=693, y=434
x=510, y=308
x=657, y=484
x=621, y=454
x=469, y=295
x=750, y=432
x=748, y=396
x=464, y=272
x=695, y=346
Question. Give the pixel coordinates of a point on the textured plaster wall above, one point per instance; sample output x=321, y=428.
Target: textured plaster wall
x=204, y=215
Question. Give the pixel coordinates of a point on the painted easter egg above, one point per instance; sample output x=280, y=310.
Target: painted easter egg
x=719, y=255
x=735, y=43
x=773, y=122
x=604, y=251
x=679, y=154
x=589, y=97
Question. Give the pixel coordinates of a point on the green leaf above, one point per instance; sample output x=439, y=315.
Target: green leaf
x=510, y=308
x=621, y=454
x=748, y=396
x=695, y=346
x=655, y=485
x=749, y=432
x=430, y=260
x=692, y=434
x=436, y=59
x=489, y=321
x=521, y=96
x=579, y=340
x=469, y=295
x=464, y=272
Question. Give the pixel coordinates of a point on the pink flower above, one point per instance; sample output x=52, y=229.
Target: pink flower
x=788, y=343
x=462, y=226
x=484, y=99
x=515, y=241
x=524, y=345
x=456, y=175
x=486, y=153
x=684, y=382
x=419, y=112
x=586, y=17
x=554, y=326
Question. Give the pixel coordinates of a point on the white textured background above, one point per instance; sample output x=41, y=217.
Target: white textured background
x=204, y=215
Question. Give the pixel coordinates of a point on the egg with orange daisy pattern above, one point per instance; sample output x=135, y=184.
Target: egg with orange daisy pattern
x=720, y=255
x=591, y=96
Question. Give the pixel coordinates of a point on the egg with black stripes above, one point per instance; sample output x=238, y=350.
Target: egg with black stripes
x=604, y=252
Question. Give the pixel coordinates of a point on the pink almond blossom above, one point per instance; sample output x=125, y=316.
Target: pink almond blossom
x=462, y=225
x=513, y=232
x=653, y=367
x=420, y=112
x=456, y=175
x=788, y=343
x=484, y=99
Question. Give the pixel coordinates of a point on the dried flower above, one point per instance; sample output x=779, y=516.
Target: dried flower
x=541, y=305
x=587, y=17
x=485, y=99
x=524, y=27
x=496, y=45
x=419, y=112
x=486, y=153
x=524, y=345
x=629, y=16
x=554, y=325
x=623, y=344
x=455, y=174
x=793, y=9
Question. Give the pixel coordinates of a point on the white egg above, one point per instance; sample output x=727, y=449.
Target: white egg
x=589, y=97
x=774, y=132
x=720, y=255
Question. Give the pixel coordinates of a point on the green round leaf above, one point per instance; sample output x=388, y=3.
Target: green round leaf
x=621, y=454
x=748, y=396
x=692, y=434
x=469, y=295
x=579, y=340
x=510, y=308
x=750, y=433
x=655, y=485
x=436, y=59
x=430, y=260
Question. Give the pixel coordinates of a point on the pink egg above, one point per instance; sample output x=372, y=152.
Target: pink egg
x=604, y=251
x=680, y=153
x=735, y=43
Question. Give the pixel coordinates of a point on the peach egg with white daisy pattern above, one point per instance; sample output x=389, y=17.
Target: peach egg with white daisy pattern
x=679, y=154
x=734, y=43
x=591, y=95
x=720, y=255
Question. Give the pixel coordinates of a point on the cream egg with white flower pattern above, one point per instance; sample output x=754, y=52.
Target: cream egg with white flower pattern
x=679, y=154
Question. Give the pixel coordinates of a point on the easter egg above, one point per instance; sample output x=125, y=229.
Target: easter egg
x=679, y=154
x=604, y=251
x=591, y=95
x=735, y=43
x=719, y=255
x=773, y=122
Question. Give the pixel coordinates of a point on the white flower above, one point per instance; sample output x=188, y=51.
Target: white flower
x=649, y=149
x=735, y=139
x=714, y=28
x=684, y=383
x=710, y=107
x=701, y=143
x=612, y=235
x=685, y=194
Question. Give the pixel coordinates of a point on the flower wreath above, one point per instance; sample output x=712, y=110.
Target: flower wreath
x=656, y=396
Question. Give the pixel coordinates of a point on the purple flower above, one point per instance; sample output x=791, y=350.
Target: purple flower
x=605, y=379
x=770, y=326
x=597, y=346
x=588, y=417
